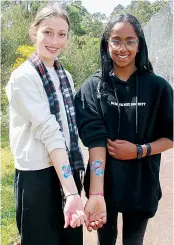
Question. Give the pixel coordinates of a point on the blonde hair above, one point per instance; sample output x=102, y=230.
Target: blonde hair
x=50, y=11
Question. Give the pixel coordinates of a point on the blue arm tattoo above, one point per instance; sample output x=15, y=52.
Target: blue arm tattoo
x=66, y=168
x=96, y=166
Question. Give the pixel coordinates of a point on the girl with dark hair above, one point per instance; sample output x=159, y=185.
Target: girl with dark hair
x=125, y=117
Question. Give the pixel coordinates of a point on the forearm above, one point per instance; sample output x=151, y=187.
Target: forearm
x=158, y=146
x=97, y=180
x=61, y=163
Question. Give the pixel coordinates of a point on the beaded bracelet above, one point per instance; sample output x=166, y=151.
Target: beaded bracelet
x=96, y=194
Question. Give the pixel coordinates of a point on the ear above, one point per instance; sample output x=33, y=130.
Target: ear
x=33, y=34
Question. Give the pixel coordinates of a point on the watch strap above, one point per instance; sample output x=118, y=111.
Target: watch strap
x=149, y=149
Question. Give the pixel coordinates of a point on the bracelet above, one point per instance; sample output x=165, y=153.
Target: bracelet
x=73, y=194
x=97, y=194
x=149, y=149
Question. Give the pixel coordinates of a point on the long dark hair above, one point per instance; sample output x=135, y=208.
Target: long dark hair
x=141, y=60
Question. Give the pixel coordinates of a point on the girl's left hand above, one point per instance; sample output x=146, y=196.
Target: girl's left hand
x=122, y=149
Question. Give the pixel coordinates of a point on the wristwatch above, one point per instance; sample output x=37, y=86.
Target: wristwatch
x=139, y=151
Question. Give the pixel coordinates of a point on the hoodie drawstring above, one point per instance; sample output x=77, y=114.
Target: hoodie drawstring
x=119, y=112
x=136, y=105
x=116, y=96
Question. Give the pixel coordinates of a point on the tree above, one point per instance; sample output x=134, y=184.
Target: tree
x=76, y=12
x=144, y=10
x=157, y=5
x=141, y=10
x=15, y=24
x=99, y=17
x=92, y=26
x=82, y=55
x=119, y=9
x=81, y=58
x=15, y=27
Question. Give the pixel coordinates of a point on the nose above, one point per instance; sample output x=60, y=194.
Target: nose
x=54, y=40
x=122, y=47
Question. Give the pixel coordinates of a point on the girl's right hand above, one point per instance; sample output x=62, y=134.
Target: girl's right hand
x=95, y=210
x=74, y=214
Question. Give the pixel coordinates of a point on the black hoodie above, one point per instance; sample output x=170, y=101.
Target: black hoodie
x=139, y=111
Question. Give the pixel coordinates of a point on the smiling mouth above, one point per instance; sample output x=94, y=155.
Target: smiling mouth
x=52, y=50
x=122, y=56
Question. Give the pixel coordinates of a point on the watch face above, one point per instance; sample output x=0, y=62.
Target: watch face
x=139, y=152
x=139, y=149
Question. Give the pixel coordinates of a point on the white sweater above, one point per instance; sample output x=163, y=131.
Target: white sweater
x=34, y=131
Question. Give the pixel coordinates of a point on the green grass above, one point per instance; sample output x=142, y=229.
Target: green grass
x=9, y=233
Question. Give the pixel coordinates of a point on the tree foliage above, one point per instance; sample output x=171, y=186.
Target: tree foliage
x=142, y=10
x=81, y=58
x=82, y=55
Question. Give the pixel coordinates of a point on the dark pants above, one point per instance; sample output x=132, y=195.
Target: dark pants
x=134, y=226
x=39, y=213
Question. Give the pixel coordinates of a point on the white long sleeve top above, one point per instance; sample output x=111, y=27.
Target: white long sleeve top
x=34, y=131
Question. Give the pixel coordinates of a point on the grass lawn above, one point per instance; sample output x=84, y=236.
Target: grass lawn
x=9, y=232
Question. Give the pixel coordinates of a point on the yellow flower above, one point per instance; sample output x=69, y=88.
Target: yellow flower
x=24, y=52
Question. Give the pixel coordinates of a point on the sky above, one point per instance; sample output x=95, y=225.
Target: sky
x=104, y=6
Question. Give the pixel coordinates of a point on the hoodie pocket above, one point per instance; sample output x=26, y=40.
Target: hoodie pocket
x=148, y=190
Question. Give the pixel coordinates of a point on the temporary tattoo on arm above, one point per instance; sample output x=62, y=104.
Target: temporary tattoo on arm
x=96, y=166
x=66, y=168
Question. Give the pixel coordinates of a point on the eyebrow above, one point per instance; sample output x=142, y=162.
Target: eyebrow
x=126, y=37
x=49, y=28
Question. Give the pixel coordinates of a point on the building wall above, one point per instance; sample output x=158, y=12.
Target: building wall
x=159, y=37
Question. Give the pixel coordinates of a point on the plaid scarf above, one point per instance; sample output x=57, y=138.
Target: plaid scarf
x=74, y=154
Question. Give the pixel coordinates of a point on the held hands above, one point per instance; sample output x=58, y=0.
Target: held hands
x=122, y=149
x=95, y=211
x=94, y=216
x=74, y=212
